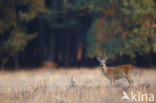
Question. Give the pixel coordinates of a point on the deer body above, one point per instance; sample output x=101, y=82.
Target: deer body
x=118, y=72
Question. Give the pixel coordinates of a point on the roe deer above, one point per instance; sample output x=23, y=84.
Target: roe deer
x=115, y=73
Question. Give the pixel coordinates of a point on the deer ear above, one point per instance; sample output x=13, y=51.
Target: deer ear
x=98, y=58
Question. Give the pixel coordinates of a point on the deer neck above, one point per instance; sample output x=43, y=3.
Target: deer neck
x=104, y=69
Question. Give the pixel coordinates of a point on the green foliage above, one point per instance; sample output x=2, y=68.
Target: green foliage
x=34, y=8
x=18, y=41
x=92, y=5
x=136, y=7
x=142, y=37
x=129, y=28
x=14, y=18
x=118, y=27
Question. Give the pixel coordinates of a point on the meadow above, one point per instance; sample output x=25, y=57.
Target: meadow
x=74, y=85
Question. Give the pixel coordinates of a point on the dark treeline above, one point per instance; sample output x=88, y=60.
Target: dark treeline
x=73, y=32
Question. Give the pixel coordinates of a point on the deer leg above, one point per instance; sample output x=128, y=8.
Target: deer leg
x=112, y=82
x=130, y=80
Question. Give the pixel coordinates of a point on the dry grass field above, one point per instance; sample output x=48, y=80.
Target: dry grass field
x=71, y=86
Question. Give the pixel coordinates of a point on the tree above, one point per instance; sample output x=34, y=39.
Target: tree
x=15, y=16
x=129, y=28
x=65, y=21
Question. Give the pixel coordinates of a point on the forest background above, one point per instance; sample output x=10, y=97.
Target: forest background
x=71, y=33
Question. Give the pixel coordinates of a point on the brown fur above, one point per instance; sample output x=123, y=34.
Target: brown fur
x=118, y=72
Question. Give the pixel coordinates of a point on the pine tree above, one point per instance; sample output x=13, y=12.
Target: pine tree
x=14, y=19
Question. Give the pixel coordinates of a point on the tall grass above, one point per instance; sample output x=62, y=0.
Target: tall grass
x=70, y=86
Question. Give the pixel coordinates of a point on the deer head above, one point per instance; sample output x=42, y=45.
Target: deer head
x=102, y=60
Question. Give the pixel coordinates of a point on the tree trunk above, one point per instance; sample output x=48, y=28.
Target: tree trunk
x=16, y=60
x=2, y=63
x=2, y=54
x=41, y=37
x=79, y=52
x=67, y=47
x=54, y=4
x=51, y=53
